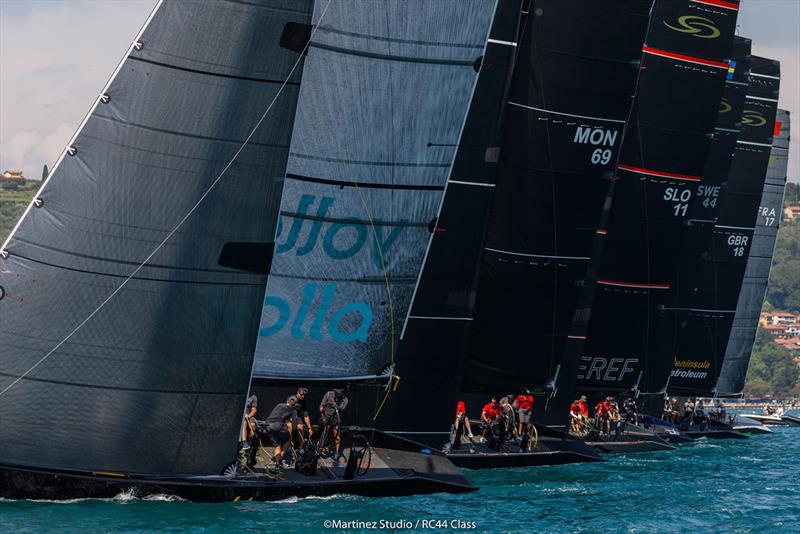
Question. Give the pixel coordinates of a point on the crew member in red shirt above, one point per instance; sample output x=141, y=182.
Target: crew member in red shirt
x=575, y=416
x=584, y=407
x=461, y=416
x=524, y=405
x=490, y=415
x=602, y=419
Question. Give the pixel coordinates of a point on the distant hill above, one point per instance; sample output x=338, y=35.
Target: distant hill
x=772, y=369
x=14, y=198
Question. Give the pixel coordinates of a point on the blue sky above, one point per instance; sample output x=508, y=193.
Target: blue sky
x=56, y=55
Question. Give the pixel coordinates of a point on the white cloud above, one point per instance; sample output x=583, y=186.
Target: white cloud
x=55, y=57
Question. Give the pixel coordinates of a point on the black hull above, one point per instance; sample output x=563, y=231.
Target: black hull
x=19, y=483
x=751, y=429
x=624, y=447
x=553, y=447
x=491, y=460
x=675, y=439
x=792, y=420
x=715, y=434
x=404, y=469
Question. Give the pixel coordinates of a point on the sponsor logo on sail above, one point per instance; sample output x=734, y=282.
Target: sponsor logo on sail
x=690, y=369
x=695, y=26
x=753, y=118
x=724, y=106
x=316, y=316
x=605, y=369
x=340, y=239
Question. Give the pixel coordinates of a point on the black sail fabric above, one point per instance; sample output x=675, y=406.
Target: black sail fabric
x=666, y=143
x=570, y=96
x=696, y=234
x=708, y=322
x=154, y=379
x=433, y=341
x=759, y=262
x=386, y=89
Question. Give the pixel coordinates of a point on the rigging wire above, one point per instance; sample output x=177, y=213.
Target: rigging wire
x=184, y=218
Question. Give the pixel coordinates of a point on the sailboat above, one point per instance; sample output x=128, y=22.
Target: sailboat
x=134, y=284
x=751, y=296
x=703, y=212
x=707, y=327
x=632, y=274
x=560, y=136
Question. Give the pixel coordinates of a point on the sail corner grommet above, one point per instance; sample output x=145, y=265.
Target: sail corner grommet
x=138, y=45
x=38, y=203
x=105, y=98
x=72, y=150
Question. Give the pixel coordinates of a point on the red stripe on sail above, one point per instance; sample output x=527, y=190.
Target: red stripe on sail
x=682, y=57
x=777, y=131
x=663, y=174
x=720, y=3
x=602, y=232
x=631, y=284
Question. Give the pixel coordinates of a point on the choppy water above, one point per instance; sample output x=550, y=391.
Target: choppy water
x=720, y=486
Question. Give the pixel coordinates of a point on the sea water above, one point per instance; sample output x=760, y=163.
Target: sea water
x=707, y=486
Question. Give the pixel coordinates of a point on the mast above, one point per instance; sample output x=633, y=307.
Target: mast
x=662, y=159
x=560, y=138
x=133, y=283
x=708, y=322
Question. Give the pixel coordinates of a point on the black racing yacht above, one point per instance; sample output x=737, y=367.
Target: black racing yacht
x=727, y=290
x=554, y=158
x=131, y=289
x=620, y=331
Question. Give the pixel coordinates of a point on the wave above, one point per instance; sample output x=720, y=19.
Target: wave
x=123, y=497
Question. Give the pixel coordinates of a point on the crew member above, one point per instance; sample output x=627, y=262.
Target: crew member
x=489, y=416
x=584, y=409
x=506, y=418
x=575, y=417
x=303, y=418
x=330, y=410
x=249, y=424
x=601, y=420
x=631, y=412
x=279, y=424
x=461, y=416
x=524, y=406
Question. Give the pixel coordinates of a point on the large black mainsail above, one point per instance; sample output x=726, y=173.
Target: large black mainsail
x=570, y=96
x=662, y=158
x=383, y=103
x=132, y=286
x=759, y=262
x=706, y=326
